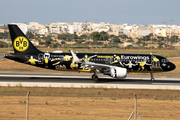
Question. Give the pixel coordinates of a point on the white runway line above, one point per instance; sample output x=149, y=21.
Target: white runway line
x=89, y=85
x=44, y=76
x=65, y=76
x=166, y=83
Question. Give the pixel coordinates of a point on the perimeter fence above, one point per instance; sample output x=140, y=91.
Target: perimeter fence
x=86, y=108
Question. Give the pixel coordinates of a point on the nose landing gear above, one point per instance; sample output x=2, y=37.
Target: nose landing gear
x=152, y=78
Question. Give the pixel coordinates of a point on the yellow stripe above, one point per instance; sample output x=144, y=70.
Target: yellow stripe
x=80, y=70
x=145, y=71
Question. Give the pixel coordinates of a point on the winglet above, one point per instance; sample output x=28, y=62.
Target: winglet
x=77, y=60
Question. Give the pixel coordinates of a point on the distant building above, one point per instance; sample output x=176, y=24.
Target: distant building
x=75, y=28
x=35, y=27
x=133, y=31
x=143, y=31
x=2, y=30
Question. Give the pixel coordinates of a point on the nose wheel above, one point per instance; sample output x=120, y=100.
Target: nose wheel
x=152, y=78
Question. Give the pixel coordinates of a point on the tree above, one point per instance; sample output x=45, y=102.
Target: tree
x=161, y=38
x=63, y=42
x=95, y=36
x=105, y=37
x=30, y=35
x=63, y=36
x=139, y=42
x=48, y=41
x=123, y=36
x=41, y=43
x=74, y=36
x=68, y=37
x=56, y=45
x=83, y=37
x=80, y=41
x=103, y=33
x=160, y=45
x=129, y=46
x=116, y=39
x=4, y=35
x=174, y=38
x=3, y=44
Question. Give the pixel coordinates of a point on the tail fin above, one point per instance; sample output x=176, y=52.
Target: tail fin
x=20, y=43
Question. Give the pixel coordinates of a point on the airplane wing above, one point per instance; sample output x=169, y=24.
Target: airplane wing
x=89, y=65
x=113, y=71
x=95, y=66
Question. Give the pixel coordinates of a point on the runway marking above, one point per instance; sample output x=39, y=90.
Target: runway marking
x=56, y=73
x=89, y=85
x=166, y=83
x=164, y=77
x=80, y=76
x=6, y=71
x=44, y=76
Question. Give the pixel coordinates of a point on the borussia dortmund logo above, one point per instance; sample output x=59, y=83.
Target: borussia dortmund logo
x=21, y=44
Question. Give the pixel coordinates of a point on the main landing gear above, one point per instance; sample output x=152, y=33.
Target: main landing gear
x=152, y=78
x=95, y=77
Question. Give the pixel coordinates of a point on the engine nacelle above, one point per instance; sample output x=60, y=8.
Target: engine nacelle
x=118, y=72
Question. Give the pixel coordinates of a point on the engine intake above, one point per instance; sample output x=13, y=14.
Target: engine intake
x=116, y=72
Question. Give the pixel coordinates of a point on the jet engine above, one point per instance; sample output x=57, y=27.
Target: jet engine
x=116, y=72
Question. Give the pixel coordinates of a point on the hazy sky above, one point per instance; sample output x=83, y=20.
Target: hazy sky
x=113, y=11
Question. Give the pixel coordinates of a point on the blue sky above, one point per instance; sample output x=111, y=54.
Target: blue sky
x=113, y=11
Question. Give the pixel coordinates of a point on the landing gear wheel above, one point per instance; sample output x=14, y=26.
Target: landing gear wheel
x=152, y=79
x=95, y=78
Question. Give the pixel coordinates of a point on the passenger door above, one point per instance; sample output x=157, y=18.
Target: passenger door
x=41, y=59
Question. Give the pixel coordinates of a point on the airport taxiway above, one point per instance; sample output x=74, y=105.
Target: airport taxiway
x=79, y=80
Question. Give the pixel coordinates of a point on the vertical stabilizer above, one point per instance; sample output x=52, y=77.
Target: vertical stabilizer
x=20, y=43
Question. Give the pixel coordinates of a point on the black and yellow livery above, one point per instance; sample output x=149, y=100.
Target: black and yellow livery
x=112, y=64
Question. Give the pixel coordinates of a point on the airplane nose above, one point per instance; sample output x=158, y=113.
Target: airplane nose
x=172, y=66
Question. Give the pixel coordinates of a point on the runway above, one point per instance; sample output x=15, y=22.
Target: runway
x=83, y=80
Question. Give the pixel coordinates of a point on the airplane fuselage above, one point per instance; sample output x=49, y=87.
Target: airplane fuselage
x=64, y=61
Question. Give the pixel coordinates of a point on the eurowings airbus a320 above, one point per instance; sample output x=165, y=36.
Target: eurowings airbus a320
x=111, y=64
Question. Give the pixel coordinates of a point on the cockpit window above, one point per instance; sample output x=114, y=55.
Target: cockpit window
x=165, y=60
